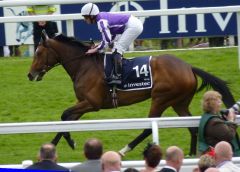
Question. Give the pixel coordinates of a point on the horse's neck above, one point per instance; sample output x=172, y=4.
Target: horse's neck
x=80, y=66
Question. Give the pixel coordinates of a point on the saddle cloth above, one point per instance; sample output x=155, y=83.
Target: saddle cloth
x=136, y=72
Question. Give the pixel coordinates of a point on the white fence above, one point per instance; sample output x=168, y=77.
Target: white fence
x=110, y=124
x=116, y=124
x=52, y=2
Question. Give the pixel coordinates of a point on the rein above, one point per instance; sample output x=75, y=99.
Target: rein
x=62, y=61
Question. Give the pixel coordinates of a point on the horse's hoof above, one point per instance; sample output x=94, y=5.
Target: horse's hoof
x=72, y=144
x=121, y=153
x=124, y=150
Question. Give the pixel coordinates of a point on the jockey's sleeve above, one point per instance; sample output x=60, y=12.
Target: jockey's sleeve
x=106, y=35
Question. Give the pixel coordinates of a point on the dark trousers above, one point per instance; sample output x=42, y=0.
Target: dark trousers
x=216, y=41
x=1, y=51
x=50, y=28
x=14, y=50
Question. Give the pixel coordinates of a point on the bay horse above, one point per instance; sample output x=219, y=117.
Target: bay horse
x=174, y=84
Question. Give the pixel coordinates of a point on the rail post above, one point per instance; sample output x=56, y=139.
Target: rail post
x=155, y=132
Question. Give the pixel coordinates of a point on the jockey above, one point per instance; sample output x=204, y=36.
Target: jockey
x=118, y=32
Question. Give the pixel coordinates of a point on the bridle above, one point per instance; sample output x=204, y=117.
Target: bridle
x=58, y=59
x=47, y=66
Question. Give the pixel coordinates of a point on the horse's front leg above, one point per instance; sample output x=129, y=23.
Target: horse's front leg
x=71, y=114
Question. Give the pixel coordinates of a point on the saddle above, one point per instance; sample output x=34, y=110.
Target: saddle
x=136, y=74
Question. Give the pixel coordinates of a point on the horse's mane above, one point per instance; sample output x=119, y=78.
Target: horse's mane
x=71, y=41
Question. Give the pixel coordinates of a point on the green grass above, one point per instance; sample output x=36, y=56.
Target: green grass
x=25, y=101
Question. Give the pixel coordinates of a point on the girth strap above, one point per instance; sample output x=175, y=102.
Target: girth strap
x=113, y=91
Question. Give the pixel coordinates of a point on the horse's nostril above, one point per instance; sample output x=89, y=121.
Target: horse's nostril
x=30, y=77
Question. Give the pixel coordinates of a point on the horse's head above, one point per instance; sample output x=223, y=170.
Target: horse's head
x=44, y=59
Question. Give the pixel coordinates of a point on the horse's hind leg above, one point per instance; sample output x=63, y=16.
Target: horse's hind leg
x=136, y=141
x=194, y=133
x=156, y=110
x=182, y=110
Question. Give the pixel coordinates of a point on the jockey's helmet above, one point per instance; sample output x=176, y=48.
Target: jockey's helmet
x=90, y=9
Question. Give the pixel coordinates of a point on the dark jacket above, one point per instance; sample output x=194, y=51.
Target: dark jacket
x=88, y=166
x=213, y=129
x=166, y=170
x=47, y=165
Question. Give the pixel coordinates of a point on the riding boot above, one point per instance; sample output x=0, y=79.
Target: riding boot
x=116, y=77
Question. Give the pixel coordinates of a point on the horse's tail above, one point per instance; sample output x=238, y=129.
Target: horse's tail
x=209, y=80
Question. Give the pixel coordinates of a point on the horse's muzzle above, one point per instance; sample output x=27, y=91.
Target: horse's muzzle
x=35, y=76
x=30, y=77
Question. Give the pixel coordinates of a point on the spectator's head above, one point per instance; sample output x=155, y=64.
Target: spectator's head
x=48, y=152
x=111, y=161
x=130, y=170
x=93, y=149
x=211, y=102
x=174, y=157
x=212, y=170
x=205, y=161
x=223, y=152
x=152, y=155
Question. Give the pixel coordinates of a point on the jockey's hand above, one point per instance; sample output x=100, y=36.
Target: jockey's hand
x=91, y=51
x=94, y=46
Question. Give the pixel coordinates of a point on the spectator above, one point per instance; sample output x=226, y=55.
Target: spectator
x=111, y=161
x=49, y=26
x=213, y=128
x=92, y=150
x=174, y=159
x=212, y=170
x=15, y=50
x=223, y=157
x=205, y=162
x=235, y=40
x=47, y=159
x=1, y=51
x=152, y=155
x=216, y=41
x=130, y=170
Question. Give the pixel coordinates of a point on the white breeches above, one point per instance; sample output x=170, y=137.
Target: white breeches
x=133, y=29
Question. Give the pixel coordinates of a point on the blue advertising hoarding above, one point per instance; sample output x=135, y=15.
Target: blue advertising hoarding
x=2, y=35
x=167, y=26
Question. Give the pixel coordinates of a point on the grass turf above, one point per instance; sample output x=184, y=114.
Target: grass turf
x=25, y=101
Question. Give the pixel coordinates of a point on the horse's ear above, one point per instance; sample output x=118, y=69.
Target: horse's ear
x=44, y=35
x=44, y=38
